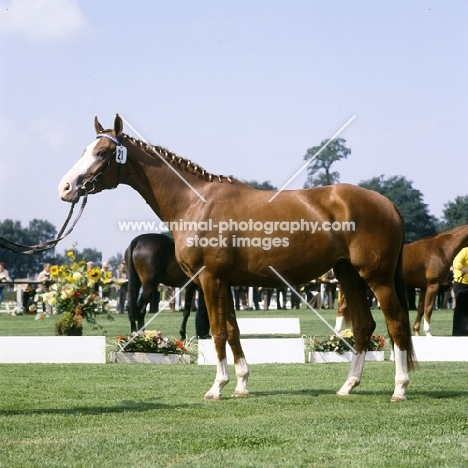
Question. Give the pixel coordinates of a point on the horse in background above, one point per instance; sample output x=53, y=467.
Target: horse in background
x=426, y=265
x=150, y=260
x=363, y=250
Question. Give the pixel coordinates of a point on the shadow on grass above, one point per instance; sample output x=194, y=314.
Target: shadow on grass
x=126, y=406
x=432, y=394
x=132, y=406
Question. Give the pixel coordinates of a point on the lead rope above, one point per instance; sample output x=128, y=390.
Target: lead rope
x=43, y=246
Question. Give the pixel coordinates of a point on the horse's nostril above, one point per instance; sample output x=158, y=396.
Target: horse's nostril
x=66, y=187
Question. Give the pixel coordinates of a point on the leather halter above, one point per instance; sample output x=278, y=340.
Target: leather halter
x=107, y=162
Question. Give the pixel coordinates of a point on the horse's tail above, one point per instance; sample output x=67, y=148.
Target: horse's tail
x=400, y=289
x=134, y=282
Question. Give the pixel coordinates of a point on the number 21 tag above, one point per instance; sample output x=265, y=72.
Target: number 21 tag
x=121, y=154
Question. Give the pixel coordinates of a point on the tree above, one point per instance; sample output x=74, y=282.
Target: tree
x=455, y=213
x=266, y=185
x=115, y=261
x=28, y=266
x=319, y=170
x=22, y=265
x=418, y=222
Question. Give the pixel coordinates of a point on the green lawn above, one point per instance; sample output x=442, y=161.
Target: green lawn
x=113, y=415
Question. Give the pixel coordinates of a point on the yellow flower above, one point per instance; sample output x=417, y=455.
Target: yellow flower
x=107, y=276
x=94, y=274
x=347, y=333
x=71, y=254
x=54, y=270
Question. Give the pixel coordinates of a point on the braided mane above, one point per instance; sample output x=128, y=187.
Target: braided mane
x=177, y=161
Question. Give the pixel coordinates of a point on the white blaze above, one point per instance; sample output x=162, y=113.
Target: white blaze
x=82, y=166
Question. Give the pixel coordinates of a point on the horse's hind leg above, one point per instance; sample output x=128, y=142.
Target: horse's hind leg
x=420, y=312
x=399, y=330
x=431, y=294
x=183, y=325
x=355, y=291
x=240, y=363
x=189, y=293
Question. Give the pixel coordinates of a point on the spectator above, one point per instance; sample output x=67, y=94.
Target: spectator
x=331, y=283
x=314, y=297
x=460, y=289
x=202, y=323
x=240, y=297
x=4, y=278
x=106, y=281
x=295, y=300
x=44, y=278
x=267, y=293
x=280, y=295
x=122, y=282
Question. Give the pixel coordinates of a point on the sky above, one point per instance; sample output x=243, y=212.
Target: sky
x=242, y=88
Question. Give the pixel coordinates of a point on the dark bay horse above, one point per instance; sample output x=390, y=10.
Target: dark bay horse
x=227, y=233
x=426, y=265
x=150, y=260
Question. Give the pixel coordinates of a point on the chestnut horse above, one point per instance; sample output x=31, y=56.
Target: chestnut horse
x=150, y=260
x=227, y=233
x=426, y=265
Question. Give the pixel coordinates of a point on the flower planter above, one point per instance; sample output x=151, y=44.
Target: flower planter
x=325, y=357
x=148, y=358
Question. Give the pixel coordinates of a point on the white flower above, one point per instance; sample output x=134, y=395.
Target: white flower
x=77, y=276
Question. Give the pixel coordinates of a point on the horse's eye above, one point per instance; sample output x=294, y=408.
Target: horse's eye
x=101, y=153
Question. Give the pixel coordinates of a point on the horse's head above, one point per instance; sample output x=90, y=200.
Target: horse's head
x=97, y=169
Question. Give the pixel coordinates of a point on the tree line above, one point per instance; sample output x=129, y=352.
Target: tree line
x=22, y=266
x=419, y=222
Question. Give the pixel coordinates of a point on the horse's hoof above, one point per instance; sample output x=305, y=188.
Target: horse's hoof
x=416, y=333
x=343, y=393
x=212, y=396
x=398, y=398
x=241, y=394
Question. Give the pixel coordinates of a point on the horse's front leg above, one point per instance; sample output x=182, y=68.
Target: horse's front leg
x=354, y=375
x=216, y=298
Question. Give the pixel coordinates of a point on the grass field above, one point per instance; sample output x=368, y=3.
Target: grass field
x=113, y=415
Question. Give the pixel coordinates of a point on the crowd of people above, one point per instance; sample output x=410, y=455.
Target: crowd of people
x=319, y=293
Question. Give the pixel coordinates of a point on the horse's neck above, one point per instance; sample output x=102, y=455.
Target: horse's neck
x=458, y=240
x=162, y=186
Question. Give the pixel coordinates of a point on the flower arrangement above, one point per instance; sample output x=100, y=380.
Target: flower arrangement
x=74, y=295
x=334, y=344
x=150, y=341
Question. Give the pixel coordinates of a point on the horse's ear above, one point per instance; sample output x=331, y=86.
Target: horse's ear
x=118, y=125
x=97, y=126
